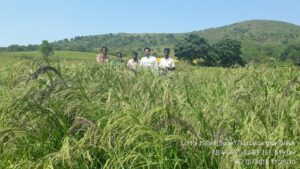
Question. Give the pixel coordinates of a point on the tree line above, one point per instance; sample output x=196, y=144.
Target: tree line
x=226, y=52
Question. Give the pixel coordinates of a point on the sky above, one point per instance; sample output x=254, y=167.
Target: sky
x=31, y=21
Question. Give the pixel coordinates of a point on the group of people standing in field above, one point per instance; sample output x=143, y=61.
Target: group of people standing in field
x=148, y=61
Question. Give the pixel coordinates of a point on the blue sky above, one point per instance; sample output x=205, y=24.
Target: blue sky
x=31, y=21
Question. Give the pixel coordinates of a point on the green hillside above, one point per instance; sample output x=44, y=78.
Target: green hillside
x=260, y=39
x=122, y=42
x=261, y=32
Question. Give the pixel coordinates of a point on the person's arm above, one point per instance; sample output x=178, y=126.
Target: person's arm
x=128, y=63
x=142, y=62
x=162, y=63
x=173, y=65
x=159, y=64
x=107, y=60
x=98, y=59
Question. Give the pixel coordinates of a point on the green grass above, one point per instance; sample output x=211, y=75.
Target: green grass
x=103, y=116
x=69, y=56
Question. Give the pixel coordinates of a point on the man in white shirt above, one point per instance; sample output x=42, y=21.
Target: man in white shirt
x=149, y=61
x=166, y=63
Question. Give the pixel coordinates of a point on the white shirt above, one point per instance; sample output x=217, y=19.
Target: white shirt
x=166, y=63
x=149, y=62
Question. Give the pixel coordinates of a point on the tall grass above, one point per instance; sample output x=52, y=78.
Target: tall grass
x=102, y=116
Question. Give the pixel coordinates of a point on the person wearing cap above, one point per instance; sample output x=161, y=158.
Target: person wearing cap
x=102, y=57
x=148, y=60
x=134, y=62
x=166, y=63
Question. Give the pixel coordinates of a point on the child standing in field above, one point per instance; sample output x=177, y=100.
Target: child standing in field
x=102, y=57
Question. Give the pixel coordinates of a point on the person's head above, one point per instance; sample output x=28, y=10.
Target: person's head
x=134, y=55
x=119, y=55
x=104, y=50
x=167, y=52
x=147, y=51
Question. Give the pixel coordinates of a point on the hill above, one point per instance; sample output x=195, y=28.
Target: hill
x=123, y=42
x=260, y=38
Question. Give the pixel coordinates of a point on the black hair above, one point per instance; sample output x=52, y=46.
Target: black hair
x=147, y=48
x=135, y=53
x=167, y=49
x=119, y=53
x=104, y=47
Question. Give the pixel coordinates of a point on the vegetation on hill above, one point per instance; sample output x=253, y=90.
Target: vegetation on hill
x=226, y=53
x=292, y=53
x=259, y=39
x=192, y=47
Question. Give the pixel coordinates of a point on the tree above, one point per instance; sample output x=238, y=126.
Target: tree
x=15, y=48
x=292, y=52
x=212, y=59
x=31, y=47
x=46, y=49
x=192, y=47
x=228, y=53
